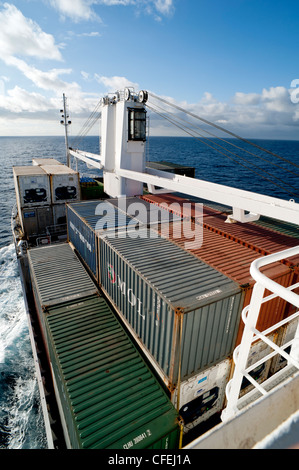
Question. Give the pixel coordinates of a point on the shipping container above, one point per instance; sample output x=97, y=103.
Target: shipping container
x=53, y=264
x=35, y=220
x=233, y=260
x=85, y=220
x=64, y=182
x=45, y=161
x=203, y=395
x=253, y=235
x=183, y=313
x=182, y=207
x=59, y=214
x=57, y=276
x=32, y=186
x=280, y=226
x=142, y=211
x=109, y=396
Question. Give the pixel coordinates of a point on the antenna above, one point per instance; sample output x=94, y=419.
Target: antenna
x=65, y=123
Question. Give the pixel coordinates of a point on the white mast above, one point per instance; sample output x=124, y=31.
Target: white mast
x=65, y=122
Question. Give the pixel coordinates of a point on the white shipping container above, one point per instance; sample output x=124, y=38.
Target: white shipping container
x=202, y=395
x=32, y=186
x=65, y=183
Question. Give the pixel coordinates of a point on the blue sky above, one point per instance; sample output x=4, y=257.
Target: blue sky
x=233, y=62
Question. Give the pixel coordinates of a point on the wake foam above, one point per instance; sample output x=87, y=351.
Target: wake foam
x=21, y=424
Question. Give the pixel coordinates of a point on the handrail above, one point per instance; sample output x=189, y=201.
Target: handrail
x=250, y=316
x=269, y=283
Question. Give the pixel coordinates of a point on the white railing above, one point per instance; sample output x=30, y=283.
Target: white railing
x=250, y=316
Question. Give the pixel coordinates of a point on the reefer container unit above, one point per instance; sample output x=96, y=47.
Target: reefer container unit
x=109, y=397
x=182, y=312
x=203, y=395
x=64, y=182
x=234, y=261
x=32, y=186
x=87, y=218
x=180, y=206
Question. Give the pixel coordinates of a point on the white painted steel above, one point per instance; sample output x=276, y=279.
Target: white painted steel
x=250, y=316
x=287, y=211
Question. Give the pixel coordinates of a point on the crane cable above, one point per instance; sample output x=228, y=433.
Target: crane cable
x=222, y=129
x=234, y=145
x=245, y=166
x=89, y=123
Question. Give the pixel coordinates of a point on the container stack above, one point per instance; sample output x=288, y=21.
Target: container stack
x=65, y=187
x=110, y=398
x=231, y=248
x=183, y=313
x=42, y=190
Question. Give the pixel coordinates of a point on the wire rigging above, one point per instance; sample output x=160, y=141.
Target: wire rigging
x=87, y=126
x=175, y=122
x=223, y=130
x=234, y=145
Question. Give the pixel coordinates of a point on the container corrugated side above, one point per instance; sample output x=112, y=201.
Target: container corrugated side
x=162, y=292
x=253, y=235
x=179, y=206
x=233, y=260
x=110, y=397
x=85, y=220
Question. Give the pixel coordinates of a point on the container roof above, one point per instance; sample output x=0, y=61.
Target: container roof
x=29, y=170
x=115, y=399
x=183, y=280
x=58, y=274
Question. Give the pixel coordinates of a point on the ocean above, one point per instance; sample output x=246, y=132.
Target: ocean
x=21, y=424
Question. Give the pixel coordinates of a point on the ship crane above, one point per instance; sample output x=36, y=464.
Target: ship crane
x=123, y=133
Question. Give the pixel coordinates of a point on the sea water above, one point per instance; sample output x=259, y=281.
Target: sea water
x=21, y=422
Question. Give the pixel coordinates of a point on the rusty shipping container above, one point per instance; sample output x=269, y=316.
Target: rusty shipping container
x=234, y=261
x=183, y=313
x=252, y=235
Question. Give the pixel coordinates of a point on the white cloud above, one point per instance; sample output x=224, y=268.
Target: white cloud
x=164, y=6
x=115, y=83
x=77, y=10
x=22, y=36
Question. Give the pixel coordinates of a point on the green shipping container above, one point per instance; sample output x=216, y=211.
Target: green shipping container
x=109, y=396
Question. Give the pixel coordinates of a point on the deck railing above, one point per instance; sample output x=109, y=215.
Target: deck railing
x=250, y=316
